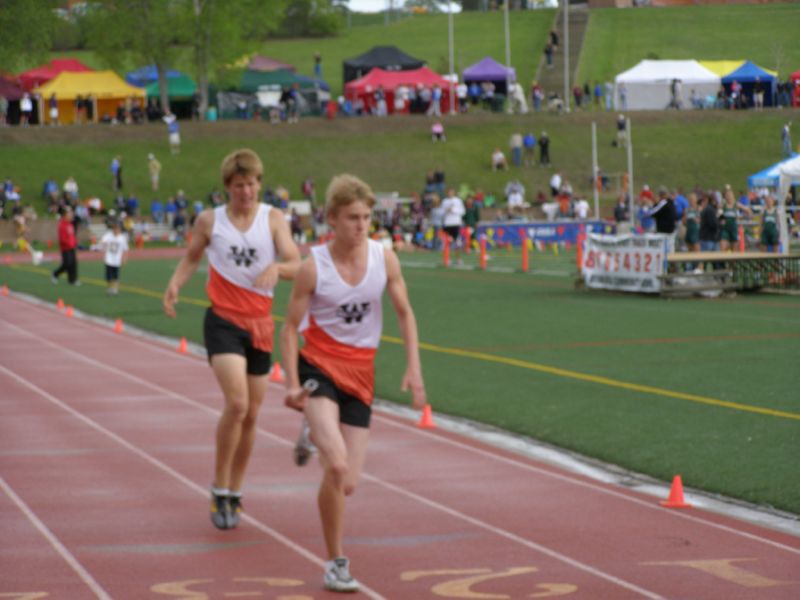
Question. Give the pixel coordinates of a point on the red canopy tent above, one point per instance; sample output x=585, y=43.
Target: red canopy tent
x=365, y=87
x=44, y=73
x=9, y=89
x=795, y=78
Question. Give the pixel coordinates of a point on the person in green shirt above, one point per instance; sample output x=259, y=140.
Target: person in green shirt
x=769, y=227
x=691, y=218
x=730, y=230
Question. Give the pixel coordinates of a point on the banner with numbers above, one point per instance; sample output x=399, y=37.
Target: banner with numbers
x=631, y=263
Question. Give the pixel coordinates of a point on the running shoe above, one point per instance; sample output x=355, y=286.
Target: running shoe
x=219, y=510
x=38, y=255
x=337, y=576
x=234, y=510
x=303, y=448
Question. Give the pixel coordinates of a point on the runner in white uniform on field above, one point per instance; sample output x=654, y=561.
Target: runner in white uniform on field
x=242, y=239
x=336, y=303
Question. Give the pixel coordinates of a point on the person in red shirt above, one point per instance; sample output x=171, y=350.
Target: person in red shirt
x=68, y=242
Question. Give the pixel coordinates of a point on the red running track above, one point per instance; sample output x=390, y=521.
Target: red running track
x=106, y=448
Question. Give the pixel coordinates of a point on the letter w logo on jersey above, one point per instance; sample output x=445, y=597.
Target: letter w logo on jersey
x=242, y=256
x=353, y=312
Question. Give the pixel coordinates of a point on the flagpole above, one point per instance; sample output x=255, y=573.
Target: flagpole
x=629, y=136
x=596, y=172
x=451, y=44
x=508, y=55
x=566, y=54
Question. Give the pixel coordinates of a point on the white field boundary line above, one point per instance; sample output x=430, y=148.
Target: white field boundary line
x=586, y=484
x=397, y=489
x=169, y=470
x=147, y=342
x=54, y=542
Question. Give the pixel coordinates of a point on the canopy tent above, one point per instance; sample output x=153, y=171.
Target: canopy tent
x=182, y=86
x=44, y=73
x=769, y=177
x=488, y=69
x=388, y=58
x=789, y=176
x=749, y=75
x=365, y=87
x=146, y=75
x=264, y=63
x=106, y=88
x=252, y=80
x=9, y=89
x=263, y=89
x=647, y=85
x=721, y=67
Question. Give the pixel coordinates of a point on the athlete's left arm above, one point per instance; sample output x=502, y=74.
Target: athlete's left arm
x=287, y=250
x=396, y=286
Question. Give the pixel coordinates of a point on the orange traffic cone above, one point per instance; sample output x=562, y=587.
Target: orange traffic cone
x=675, y=499
x=60, y=304
x=182, y=346
x=276, y=375
x=4, y=290
x=69, y=311
x=426, y=422
x=118, y=326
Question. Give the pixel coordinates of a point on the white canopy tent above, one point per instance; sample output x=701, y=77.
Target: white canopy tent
x=647, y=85
x=789, y=175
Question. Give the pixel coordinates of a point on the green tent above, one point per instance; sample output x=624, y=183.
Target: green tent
x=177, y=87
x=252, y=80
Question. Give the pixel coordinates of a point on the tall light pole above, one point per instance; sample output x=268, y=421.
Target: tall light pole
x=508, y=54
x=629, y=137
x=451, y=44
x=566, y=54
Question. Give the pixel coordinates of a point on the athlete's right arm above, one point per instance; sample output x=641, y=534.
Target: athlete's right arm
x=304, y=285
x=201, y=236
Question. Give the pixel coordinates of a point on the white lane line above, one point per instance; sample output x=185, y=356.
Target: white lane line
x=172, y=473
x=453, y=512
x=54, y=542
x=587, y=484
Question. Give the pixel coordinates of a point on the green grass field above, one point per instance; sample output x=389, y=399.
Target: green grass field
x=705, y=148
x=702, y=388
x=616, y=40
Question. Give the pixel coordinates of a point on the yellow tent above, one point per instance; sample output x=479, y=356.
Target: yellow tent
x=721, y=67
x=106, y=88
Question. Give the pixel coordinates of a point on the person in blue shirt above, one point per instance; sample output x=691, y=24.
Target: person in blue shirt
x=157, y=211
x=529, y=147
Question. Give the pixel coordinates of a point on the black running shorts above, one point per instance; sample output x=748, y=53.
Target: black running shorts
x=454, y=231
x=112, y=273
x=223, y=337
x=352, y=411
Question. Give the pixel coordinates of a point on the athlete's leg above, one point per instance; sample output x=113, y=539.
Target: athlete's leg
x=256, y=388
x=230, y=371
x=323, y=418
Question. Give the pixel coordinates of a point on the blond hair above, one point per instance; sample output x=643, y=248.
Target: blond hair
x=241, y=162
x=345, y=189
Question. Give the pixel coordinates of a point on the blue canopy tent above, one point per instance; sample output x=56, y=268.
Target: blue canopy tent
x=147, y=75
x=769, y=177
x=750, y=74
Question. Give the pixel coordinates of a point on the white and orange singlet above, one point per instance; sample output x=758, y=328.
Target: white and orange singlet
x=235, y=259
x=342, y=328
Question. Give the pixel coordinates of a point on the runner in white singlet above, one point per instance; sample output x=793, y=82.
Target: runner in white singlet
x=242, y=240
x=336, y=303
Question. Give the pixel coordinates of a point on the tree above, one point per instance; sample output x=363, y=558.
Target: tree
x=312, y=18
x=28, y=29
x=222, y=31
x=138, y=31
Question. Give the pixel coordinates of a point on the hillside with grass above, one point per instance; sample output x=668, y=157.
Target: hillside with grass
x=616, y=39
